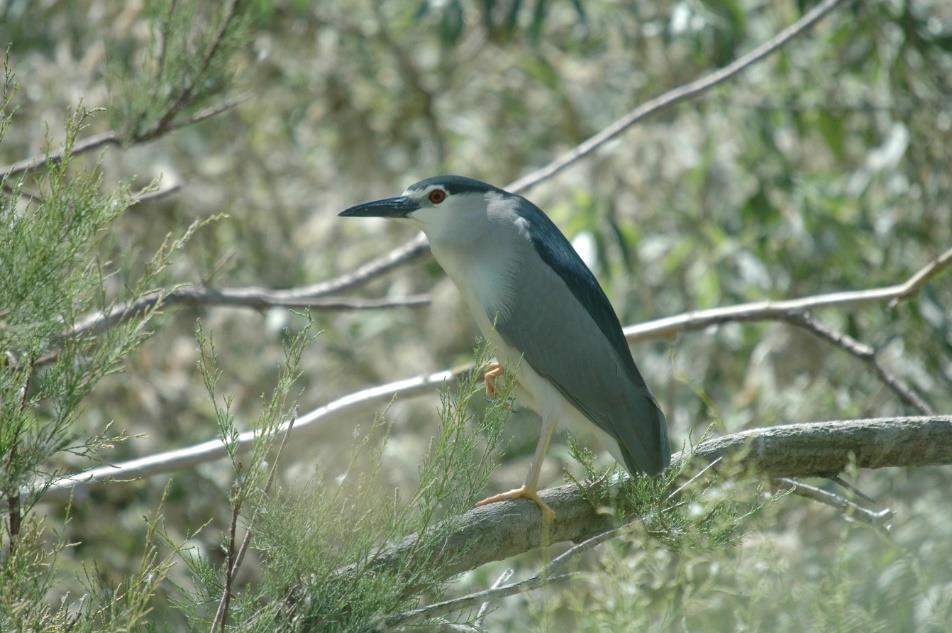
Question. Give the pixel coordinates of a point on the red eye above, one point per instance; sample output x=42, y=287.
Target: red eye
x=437, y=196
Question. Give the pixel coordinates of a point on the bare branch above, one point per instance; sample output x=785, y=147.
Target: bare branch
x=81, y=146
x=418, y=247
x=484, y=607
x=783, y=310
x=681, y=93
x=245, y=297
x=111, y=137
x=367, y=399
x=211, y=450
x=413, y=250
x=866, y=354
x=850, y=509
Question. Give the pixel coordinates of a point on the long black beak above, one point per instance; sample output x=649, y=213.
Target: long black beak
x=398, y=207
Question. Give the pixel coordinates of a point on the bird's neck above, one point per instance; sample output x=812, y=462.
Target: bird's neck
x=483, y=271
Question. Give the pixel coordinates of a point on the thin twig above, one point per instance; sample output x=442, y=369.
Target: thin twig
x=484, y=607
x=690, y=481
x=23, y=193
x=81, y=146
x=781, y=310
x=410, y=252
x=14, y=507
x=681, y=93
x=244, y=297
x=418, y=247
x=221, y=614
x=164, y=122
x=111, y=137
x=151, y=195
x=866, y=354
x=366, y=399
x=549, y=573
x=851, y=509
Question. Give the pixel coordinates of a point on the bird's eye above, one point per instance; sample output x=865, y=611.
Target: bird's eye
x=437, y=196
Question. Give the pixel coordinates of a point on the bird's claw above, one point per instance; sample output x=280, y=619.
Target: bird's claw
x=493, y=371
x=548, y=514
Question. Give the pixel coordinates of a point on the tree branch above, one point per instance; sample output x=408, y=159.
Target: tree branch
x=681, y=93
x=164, y=122
x=866, y=354
x=234, y=561
x=783, y=310
x=245, y=297
x=367, y=399
x=550, y=573
x=505, y=529
x=849, y=508
x=211, y=450
x=112, y=137
x=418, y=247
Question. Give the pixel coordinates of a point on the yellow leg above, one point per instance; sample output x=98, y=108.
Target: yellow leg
x=529, y=490
x=493, y=371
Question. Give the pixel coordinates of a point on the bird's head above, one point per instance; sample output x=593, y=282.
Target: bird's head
x=439, y=206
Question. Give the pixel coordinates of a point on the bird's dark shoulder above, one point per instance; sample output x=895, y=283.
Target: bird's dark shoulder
x=557, y=253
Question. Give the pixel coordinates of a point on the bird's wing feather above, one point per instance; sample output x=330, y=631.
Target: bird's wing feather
x=567, y=331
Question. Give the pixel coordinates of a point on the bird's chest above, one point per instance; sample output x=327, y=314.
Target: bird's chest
x=487, y=280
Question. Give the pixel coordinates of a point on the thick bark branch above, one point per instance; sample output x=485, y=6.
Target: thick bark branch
x=502, y=530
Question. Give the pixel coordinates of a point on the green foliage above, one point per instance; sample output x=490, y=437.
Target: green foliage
x=51, y=275
x=324, y=541
x=823, y=168
x=188, y=60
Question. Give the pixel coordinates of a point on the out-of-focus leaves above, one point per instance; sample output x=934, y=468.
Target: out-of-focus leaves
x=831, y=127
x=539, y=12
x=452, y=22
x=791, y=179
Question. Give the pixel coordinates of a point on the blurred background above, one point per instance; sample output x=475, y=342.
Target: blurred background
x=824, y=168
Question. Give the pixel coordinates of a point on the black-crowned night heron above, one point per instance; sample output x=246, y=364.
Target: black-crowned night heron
x=545, y=316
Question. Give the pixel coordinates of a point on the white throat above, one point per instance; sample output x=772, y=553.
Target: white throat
x=472, y=237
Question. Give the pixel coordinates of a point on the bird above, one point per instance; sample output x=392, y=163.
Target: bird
x=545, y=317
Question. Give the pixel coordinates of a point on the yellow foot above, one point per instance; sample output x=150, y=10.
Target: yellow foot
x=548, y=514
x=493, y=371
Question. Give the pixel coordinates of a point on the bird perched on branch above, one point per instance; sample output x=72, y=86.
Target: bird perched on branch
x=545, y=316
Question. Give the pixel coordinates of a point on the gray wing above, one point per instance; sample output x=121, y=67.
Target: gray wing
x=568, y=332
